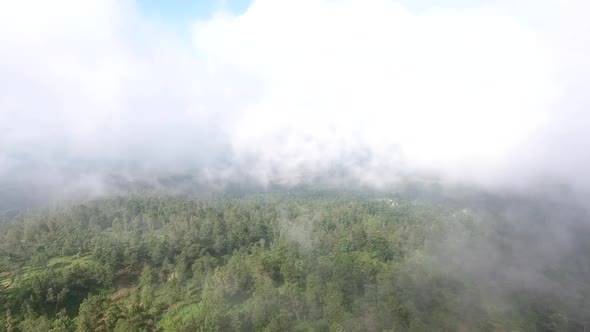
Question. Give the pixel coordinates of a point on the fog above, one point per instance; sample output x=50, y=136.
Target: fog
x=487, y=93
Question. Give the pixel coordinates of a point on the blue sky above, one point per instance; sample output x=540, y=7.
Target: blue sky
x=183, y=11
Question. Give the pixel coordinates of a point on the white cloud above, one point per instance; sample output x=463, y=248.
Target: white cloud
x=96, y=80
x=458, y=90
x=293, y=87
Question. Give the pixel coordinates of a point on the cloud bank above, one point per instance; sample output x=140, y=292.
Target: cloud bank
x=486, y=93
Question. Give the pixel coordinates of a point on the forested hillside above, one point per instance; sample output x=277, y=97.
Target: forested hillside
x=286, y=262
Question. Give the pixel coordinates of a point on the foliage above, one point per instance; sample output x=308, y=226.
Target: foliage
x=273, y=262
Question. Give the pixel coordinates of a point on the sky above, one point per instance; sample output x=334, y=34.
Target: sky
x=179, y=14
x=188, y=10
x=490, y=93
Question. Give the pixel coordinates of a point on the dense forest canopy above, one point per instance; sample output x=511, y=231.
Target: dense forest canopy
x=297, y=260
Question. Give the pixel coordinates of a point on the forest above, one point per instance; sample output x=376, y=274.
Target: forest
x=295, y=260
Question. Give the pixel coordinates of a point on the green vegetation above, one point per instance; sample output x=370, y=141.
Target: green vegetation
x=273, y=262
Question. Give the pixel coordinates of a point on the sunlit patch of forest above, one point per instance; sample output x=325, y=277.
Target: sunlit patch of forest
x=290, y=261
